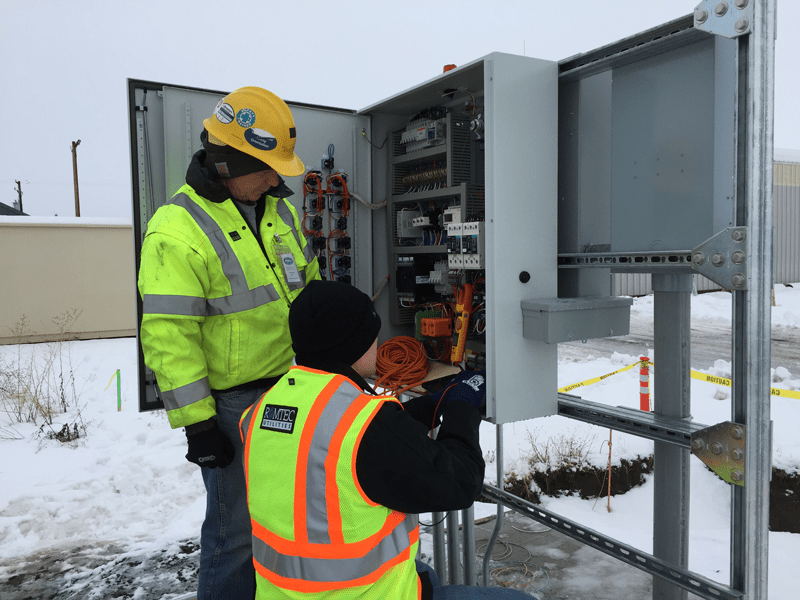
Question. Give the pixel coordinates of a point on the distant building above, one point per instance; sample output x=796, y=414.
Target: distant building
x=10, y=211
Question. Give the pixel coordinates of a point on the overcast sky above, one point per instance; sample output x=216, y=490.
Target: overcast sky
x=65, y=65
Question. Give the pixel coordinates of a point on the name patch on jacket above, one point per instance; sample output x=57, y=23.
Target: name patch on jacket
x=279, y=418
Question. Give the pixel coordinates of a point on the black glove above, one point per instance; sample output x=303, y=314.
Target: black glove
x=210, y=447
x=467, y=386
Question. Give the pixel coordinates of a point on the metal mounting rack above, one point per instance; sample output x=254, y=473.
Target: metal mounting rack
x=697, y=584
x=652, y=426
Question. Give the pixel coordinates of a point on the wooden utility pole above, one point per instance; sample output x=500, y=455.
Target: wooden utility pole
x=19, y=193
x=75, y=176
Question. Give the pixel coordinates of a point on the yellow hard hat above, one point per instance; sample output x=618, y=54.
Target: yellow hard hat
x=257, y=122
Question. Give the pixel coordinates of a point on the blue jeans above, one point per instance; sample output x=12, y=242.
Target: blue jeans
x=463, y=592
x=226, y=544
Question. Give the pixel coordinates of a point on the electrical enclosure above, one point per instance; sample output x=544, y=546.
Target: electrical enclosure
x=489, y=177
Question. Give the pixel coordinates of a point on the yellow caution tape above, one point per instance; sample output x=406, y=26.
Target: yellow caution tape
x=695, y=375
x=711, y=378
x=728, y=383
x=595, y=379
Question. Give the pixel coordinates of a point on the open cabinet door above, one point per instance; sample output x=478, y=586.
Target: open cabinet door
x=165, y=123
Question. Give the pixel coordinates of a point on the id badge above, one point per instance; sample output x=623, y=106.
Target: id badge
x=289, y=267
x=286, y=259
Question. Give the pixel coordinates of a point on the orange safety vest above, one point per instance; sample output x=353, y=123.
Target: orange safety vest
x=316, y=534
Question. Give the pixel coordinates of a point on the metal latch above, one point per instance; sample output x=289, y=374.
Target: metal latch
x=722, y=448
x=722, y=258
x=729, y=19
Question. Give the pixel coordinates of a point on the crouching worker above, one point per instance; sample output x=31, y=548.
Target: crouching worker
x=337, y=475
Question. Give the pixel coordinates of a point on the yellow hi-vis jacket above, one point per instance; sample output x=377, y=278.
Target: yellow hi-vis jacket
x=215, y=305
x=316, y=535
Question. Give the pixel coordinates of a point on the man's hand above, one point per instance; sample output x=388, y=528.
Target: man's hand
x=210, y=448
x=467, y=386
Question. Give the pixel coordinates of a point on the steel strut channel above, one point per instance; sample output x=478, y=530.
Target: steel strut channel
x=697, y=584
x=643, y=424
x=649, y=261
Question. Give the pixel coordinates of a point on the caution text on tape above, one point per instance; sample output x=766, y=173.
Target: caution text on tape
x=595, y=379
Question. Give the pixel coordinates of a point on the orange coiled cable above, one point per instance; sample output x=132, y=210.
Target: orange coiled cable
x=401, y=364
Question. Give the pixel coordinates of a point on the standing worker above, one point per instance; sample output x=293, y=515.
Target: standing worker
x=336, y=475
x=221, y=264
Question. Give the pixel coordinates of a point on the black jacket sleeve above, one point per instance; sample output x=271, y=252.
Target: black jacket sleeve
x=399, y=466
x=423, y=410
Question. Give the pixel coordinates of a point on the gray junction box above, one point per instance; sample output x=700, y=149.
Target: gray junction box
x=554, y=320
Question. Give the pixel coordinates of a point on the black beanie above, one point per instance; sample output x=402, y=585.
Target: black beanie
x=332, y=323
x=226, y=162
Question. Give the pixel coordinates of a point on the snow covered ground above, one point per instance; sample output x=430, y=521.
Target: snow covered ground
x=124, y=491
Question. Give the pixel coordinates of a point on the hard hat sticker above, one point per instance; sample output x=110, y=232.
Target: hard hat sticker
x=258, y=138
x=224, y=112
x=246, y=117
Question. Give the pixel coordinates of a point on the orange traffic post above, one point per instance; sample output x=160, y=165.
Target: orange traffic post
x=644, y=384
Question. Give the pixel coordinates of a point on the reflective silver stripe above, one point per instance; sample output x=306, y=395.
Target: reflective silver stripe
x=185, y=395
x=244, y=424
x=230, y=264
x=316, y=506
x=164, y=304
x=188, y=306
x=308, y=252
x=286, y=214
x=240, y=302
x=335, y=570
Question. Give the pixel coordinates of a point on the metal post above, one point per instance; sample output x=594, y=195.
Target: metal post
x=751, y=307
x=468, y=535
x=498, y=524
x=75, y=176
x=672, y=330
x=439, y=561
x=454, y=566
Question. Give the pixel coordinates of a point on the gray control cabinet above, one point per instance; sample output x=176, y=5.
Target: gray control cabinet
x=511, y=179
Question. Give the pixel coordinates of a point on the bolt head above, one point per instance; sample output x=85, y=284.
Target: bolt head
x=737, y=476
x=716, y=448
x=700, y=15
x=737, y=257
x=698, y=258
x=740, y=4
x=718, y=260
x=738, y=280
x=737, y=432
x=737, y=454
x=721, y=8
x=698, y=444
x=738, y=235
x=741, y=25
